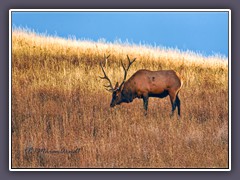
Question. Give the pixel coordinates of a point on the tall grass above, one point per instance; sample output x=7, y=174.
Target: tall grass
x=60, y=105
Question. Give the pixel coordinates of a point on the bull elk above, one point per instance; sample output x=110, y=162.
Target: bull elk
x=144, y=84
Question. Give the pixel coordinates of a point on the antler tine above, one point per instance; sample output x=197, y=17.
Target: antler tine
x=106, y=77
x=106, y=57
x=126, y=69
x=109, y=89
x=130, y=62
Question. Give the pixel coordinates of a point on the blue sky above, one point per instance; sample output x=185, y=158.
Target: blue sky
x=204, y=32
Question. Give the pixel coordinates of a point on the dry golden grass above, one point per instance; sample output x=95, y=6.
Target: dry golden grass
x=59, y=104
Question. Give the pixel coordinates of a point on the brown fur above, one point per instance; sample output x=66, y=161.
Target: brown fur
x=144, y=84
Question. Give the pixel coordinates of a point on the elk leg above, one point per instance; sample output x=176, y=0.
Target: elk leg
x=178, y=103
x=173, y=103
x=145, y=103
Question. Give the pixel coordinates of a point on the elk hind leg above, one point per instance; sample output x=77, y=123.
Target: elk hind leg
x=178, y=103
x=145, y=103
x=173, y=102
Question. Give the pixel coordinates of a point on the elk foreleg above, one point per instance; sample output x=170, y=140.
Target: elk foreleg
x=145, y=103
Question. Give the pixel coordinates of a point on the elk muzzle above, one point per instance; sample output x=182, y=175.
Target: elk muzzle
x=112, y=105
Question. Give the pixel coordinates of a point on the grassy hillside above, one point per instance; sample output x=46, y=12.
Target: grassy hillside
x=61, y=115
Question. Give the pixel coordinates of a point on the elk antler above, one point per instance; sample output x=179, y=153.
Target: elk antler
x=126, y=69
x=107, y=87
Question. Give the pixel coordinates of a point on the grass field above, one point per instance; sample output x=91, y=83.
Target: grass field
x=61, y=115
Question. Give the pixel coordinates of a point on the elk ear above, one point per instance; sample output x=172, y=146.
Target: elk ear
x=116, y=86
x=121, y=86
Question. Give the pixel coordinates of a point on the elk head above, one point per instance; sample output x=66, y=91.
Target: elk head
x=117, y=96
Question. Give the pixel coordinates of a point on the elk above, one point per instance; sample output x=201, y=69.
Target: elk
x=144, y=84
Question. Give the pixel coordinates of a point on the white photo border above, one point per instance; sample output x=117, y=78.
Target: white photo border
x=121, y=10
